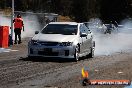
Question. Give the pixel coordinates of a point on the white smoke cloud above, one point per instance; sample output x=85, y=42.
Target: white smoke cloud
x=4, y=21
x=118, y=41
x=106, y=44
x=31, y=24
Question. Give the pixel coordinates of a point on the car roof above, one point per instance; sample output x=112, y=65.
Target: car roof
x=69, y=23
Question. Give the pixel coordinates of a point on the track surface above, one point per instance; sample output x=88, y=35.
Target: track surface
x=17, y=71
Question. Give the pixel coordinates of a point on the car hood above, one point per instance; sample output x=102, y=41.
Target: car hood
x=54, y=37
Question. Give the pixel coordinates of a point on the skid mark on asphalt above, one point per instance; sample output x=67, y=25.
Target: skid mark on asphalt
x=7, y=50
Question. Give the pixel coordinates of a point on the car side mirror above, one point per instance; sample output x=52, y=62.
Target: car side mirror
x=36, y=32
x=83, y=35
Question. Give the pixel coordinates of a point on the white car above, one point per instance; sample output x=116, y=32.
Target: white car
x=62, y=39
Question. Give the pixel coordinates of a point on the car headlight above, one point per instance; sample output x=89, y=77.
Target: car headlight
x=34, y=42
x=66, y=44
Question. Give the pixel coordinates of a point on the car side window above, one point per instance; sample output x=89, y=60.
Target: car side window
x=87, y=31
x=83, y=29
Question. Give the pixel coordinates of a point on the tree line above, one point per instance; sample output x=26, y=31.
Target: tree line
x=78, y=10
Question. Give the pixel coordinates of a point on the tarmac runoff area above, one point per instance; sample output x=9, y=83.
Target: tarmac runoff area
x=3, y=50
x=18, y=71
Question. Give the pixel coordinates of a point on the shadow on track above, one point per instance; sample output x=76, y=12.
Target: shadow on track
x=44, y=59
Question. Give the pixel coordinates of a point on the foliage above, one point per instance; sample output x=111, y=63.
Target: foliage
x=79, y=10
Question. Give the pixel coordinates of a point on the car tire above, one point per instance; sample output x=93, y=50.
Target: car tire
x=30, y=57
x=91, y=54
x=76, y=55
x=33, y=57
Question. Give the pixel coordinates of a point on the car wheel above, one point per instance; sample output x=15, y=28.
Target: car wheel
x=30, y=57
x=91, y=54
x=33, y=57
x=76, y=55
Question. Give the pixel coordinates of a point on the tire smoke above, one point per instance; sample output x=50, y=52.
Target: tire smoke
x=120, y=39
x=31, y=24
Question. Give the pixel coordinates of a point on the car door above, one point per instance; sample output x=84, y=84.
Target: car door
x=83, y=44
x=88, y=39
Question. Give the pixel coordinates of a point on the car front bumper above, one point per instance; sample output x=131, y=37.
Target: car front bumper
x=51, y=51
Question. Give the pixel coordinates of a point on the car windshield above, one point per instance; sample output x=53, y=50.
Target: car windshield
x=64, y=29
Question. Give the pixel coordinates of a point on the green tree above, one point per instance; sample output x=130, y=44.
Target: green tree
x=2, y=4
x=113, y=10
x=79, y=10
x=83, y=10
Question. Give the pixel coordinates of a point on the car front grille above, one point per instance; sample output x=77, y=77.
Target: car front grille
x=49, y=43
x=31, y=51
x=48, y=52
x=66, y=52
